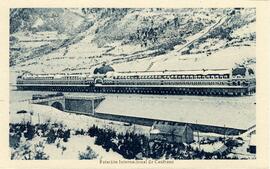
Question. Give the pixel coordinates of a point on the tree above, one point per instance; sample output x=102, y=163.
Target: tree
x=88, y=154
x=51, y=136
x=23, y=152
x=30, y=132
x=176, y=22
x=39, y=152
x=66, y=135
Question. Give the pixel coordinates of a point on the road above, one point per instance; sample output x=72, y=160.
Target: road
x=190, y=40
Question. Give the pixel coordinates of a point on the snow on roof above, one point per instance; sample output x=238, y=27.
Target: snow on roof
x=232, y=112
x=176, y=72
x=38, y=22
x=155, y=131
x=216, y=147
x=103, y=69
x=168, y=129
x=59, y=75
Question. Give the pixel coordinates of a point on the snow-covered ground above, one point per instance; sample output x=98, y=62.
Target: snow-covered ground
x=224, y=58
x=39, y=36
x=42, y=114
x=245, y=30
x=218, y=111
x=205, y=110
x=84, y=51
x=76, y=144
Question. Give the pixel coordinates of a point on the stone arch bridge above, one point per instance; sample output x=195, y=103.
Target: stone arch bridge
x=73, y=104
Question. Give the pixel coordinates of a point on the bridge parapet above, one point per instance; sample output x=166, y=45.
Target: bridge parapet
x=47, y=99
x=69, y=103
x=84, y=97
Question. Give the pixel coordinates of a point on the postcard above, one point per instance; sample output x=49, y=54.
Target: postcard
x=140, y=85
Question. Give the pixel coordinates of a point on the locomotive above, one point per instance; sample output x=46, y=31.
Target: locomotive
x=237, y=81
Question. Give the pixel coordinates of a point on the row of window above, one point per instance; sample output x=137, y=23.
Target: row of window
x=50, y=82
x=224, y=76
x=126, y=83
x=235, y=83
x=37, y=78
x=73, y=78
x=167, y=83
x=50, y=78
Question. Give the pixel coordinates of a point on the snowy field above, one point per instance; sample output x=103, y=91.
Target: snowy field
x=223, y=59
x=235, y=112
x=76, y=144
x=218, y=111
x=73, y=149
x=43, y=114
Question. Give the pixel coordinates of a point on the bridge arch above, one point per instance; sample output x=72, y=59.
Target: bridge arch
x=57, y=105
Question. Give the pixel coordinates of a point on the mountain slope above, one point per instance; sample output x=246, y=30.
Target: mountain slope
x=78, y=40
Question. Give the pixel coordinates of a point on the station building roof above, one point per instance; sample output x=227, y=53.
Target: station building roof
x=103, y=69
x=175, y=72
x=168, y=129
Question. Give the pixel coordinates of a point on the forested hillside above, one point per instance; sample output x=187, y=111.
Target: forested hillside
x=78, y=40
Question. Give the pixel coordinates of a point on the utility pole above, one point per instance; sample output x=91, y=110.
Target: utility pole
x=224, y=133
x=134, y=127
x=38, y=119
x=93, y=107
x=24, y=119
x=198, y=136
x=30, y=113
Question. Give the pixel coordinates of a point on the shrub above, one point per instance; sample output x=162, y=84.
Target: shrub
x=39, y=152
x=88, y=154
